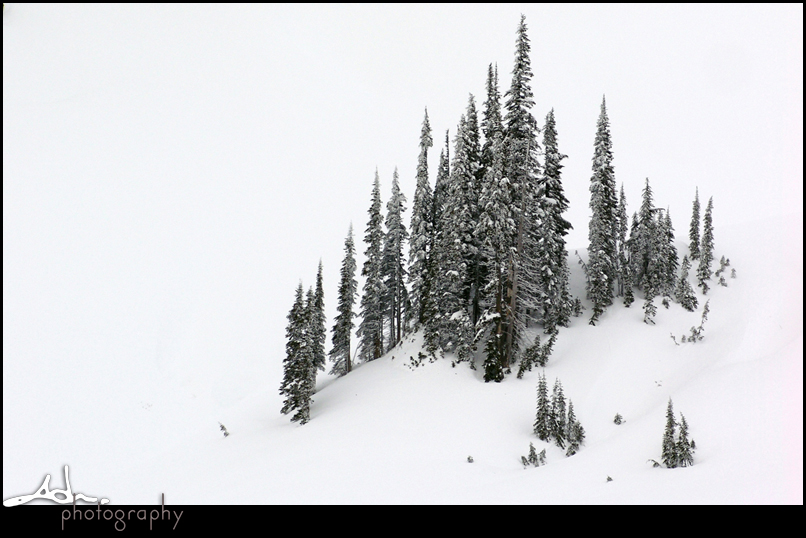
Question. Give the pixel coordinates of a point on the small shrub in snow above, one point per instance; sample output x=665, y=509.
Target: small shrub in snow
x=618, y=419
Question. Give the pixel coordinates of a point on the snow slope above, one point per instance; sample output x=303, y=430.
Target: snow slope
x=156, y=220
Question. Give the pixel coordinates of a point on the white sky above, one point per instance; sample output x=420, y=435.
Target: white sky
x=170, y=172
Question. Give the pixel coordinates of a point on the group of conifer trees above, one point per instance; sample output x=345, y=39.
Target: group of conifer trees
x=487, y=251
x=648, y=259
x=555, y=420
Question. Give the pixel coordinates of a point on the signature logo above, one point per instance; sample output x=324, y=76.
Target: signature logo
x=44, y=492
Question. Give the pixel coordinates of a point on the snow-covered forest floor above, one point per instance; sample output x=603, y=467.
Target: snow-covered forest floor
x=148, y=271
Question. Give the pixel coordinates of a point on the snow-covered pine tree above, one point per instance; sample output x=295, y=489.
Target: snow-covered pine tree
x=318, y=322
x=298, y=369
x=685, y=452
x=558, y=415
x=622, y=223
x=343, y=328
x=669, y=447
x=522, y=171
x=668, y=254
x=432, y=312
x=542, y=424
x=602, y=228
x=495, y=230
x=474, y=173
x=694, y=228
x=393, y=266
x=370, y=331
x=574, y=433
x=684, y=293
x=643, y=238
x=706, y=248
x=421, y=231
x=555, y=301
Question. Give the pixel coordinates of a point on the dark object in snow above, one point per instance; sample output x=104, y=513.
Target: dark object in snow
x=470, y=459
x=618, y=419
x=609, y=479
x=223, y=429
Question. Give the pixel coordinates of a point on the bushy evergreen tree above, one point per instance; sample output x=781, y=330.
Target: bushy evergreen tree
x=602, y=229
x=343, y=328
x=542, y=424
x=393, y=266
x=318, y=321
x=668, y=254
x=685, y=452
x=694, y=228
x=684, y=293
x=421, y=232
x=370, y=331
x=299, y=372
x=706, y=248
x=669, y=455
x=554, y=297
x=432, y=322
x=558, y=415
x=522, y=171
x=622, y=224
x=575, y=433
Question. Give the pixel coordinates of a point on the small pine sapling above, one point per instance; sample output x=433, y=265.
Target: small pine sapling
x=618, y=419
x=697, y=332
x=733, y=273
x=223, y=429
x=685, y=449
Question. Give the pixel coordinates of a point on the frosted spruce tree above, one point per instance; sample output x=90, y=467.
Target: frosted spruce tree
x=622, y=266
x=432, y=316
x=343, y=328
x=370, y=331
x=542, y=425
x=669, y=447
x=318, y=322
x=684, y=293
x=668, y=256
x=454, y=325
x=558, y=415
x=421, y=233
x=601, y=266
x=574, y=433
x=299, y=373
x=685, y=452
x=694, y=228
x=522, y=171
x=554, y=299
x=393, y=268
x=706, y=248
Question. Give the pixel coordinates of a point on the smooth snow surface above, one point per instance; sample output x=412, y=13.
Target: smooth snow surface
x=171, y=172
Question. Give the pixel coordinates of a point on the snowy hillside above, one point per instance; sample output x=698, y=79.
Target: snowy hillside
x=169, y=174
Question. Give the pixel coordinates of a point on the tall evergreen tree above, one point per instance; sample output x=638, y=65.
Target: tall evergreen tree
x=421, y=231
x=456, y=235
x=543, y=425
x=370, y=331
x=554, y=296
x=299, y=372
x=602, y=230
x=393, y=271
x=522, y=171
x=684, y=293
x=706, y=248
x=667, y=265
x=669, y=447
x=496, y=230
x=621, y=245
x=318, y=321
x=342, y=330
x=432, y=321
x=575, y=433
x=685, y=452
x=694, y=229
x=558, y=415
